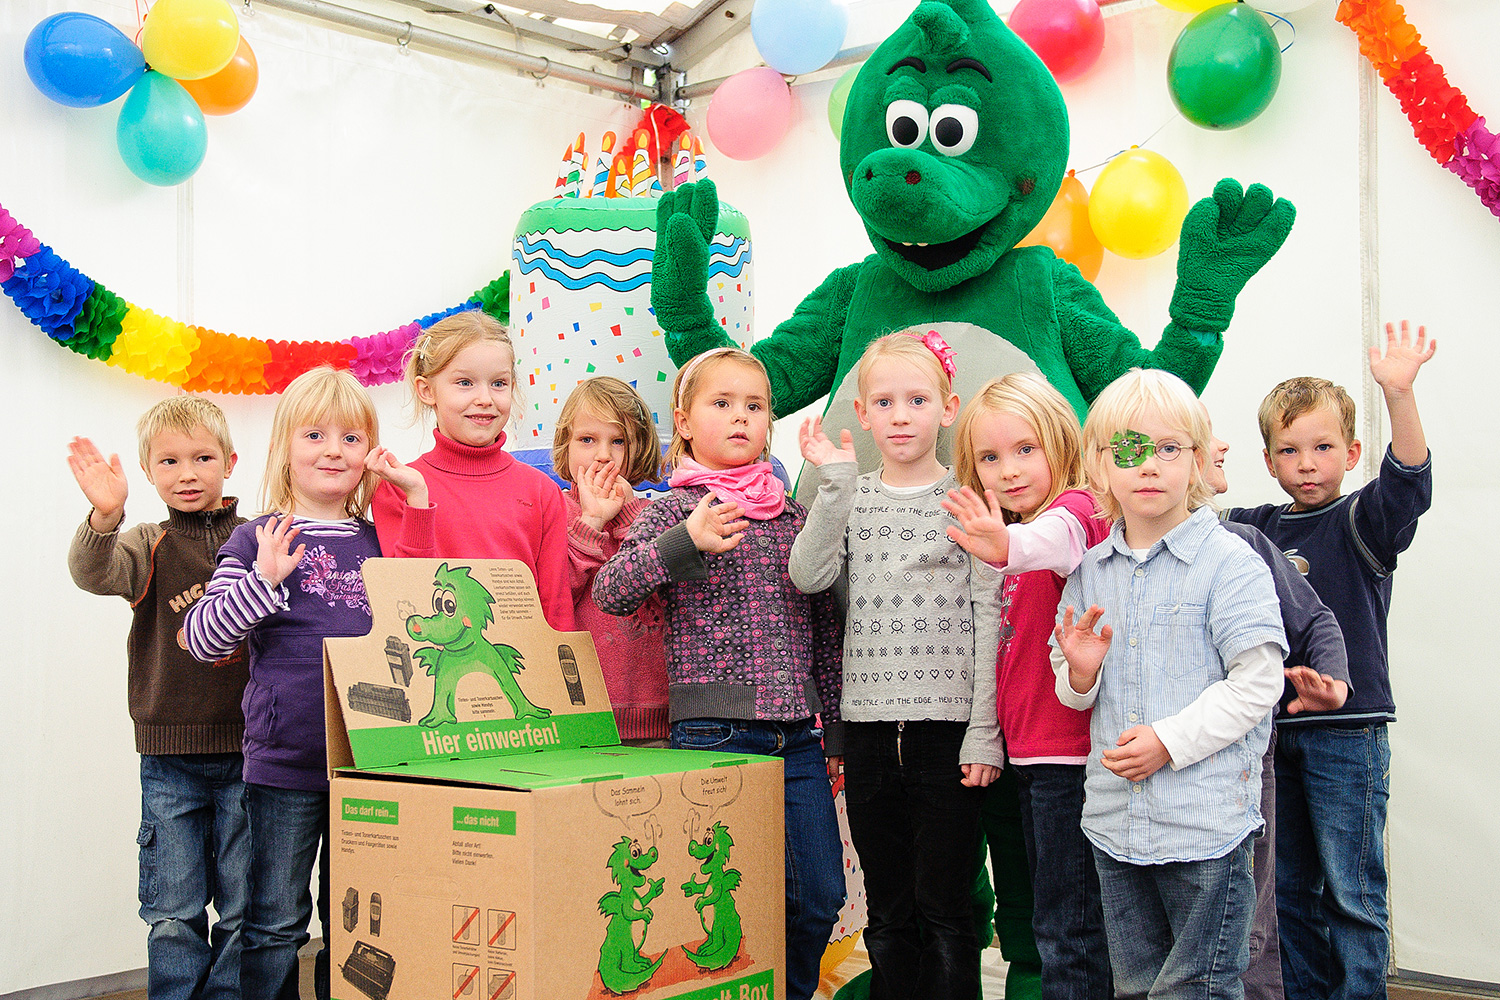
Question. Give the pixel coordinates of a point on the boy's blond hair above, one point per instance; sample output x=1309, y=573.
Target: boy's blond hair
x=1300, y=395
x=320, y=394
x=1138, y=392
x=183, y=414
x=685, y=389
x=614, y=402
x=1031, y=398
x=907, y=346
x=437, y=346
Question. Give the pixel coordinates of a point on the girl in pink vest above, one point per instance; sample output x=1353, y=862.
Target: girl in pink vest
x=1018, y=445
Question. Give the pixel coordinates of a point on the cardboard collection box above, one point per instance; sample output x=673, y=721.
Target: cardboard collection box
x=491, y=840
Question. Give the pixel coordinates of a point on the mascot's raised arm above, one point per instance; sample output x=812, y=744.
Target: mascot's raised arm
x=955, y=142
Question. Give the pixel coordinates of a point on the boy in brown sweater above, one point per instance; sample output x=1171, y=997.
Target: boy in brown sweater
x=194, y=841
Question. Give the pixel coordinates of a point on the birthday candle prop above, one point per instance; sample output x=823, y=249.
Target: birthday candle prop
x=560, y=188
x=578, y=159
x=600, y=186
x=642, y=169
x=700, y=163
x=619, y=175
x=682, y=161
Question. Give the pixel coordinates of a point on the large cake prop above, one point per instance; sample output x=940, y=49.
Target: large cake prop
x=580, y=288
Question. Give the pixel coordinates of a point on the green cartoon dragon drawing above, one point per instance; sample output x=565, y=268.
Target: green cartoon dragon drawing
x=622, y=966
x=716, y=890
x=461, y=608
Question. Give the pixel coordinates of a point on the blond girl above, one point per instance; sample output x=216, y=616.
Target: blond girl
x=750, y=659
x=283, y=601
x=469, y=498
x=1018, y=446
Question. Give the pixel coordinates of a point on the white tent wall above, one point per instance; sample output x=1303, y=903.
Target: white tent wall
x=363, y=187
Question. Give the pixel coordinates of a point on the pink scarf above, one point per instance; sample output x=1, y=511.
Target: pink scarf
x=754, y=487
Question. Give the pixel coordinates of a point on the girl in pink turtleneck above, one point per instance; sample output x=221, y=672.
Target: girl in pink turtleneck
x=468, y=498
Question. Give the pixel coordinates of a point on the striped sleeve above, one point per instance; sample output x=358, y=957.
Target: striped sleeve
x=236, y=600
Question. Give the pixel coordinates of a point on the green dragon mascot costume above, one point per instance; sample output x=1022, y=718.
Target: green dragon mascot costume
x=954, y=144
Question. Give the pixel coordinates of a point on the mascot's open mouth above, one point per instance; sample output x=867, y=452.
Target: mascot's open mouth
x=936, y=256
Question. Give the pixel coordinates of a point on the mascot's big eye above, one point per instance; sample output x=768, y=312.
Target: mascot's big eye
x=449, y=604
x=954, y=129
x=906, y=123
x=635, y=850
x=437, y=602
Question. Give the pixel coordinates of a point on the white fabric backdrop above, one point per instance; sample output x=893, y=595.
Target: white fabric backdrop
x=362, y=188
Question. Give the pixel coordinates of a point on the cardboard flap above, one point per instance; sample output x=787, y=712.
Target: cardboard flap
x=460, y=664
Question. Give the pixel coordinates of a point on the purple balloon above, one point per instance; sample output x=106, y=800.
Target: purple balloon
x=81, y=60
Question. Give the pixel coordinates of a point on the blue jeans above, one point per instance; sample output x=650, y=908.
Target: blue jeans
x=1179, y=930
x=916, y=830
x=1068, y=916
x=288, y=831
x=1332, y=786
x=195, y=850
x=814, y=850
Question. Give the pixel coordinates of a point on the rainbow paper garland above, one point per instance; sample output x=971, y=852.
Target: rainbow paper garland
x=84, y=316
x=1439, y=113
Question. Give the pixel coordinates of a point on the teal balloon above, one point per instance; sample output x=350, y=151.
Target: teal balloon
x=161, y=132
x=1224, y=67
x=839, y=99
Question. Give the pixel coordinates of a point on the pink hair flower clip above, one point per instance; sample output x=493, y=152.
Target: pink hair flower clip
x=935, y=343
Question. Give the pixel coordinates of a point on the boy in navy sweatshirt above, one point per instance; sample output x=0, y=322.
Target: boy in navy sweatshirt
x=1333, y=767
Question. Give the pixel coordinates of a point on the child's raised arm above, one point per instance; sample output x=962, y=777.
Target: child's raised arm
x=384, y=463
x=981, y=530
x=103, y=483
x=1395, y=373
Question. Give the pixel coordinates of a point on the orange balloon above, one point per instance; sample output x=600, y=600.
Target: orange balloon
x=230, y=88
x=1066, y=229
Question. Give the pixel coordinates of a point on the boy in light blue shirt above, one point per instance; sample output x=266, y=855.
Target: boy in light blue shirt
x=1189, y=681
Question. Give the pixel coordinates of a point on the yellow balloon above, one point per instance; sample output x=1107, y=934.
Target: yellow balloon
x=1138, y=204
x=190, y=39
x=1191, y=6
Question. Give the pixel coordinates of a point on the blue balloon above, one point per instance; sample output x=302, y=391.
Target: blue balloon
x=161, y=133
x=798, y=36
x=81, y=60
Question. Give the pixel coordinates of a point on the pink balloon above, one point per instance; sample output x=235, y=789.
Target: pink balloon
x=749, y=113
x=1068, y=35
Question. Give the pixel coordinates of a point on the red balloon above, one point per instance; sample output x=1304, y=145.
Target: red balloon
x=1068, y=35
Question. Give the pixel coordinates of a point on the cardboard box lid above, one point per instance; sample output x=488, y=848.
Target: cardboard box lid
x=559, y=768
x=459, y=664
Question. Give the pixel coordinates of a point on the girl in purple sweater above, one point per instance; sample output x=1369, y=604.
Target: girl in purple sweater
x=750, y=659
x=282, y=599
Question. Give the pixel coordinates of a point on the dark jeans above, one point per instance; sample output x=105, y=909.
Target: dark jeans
x=916, y=829
x=1068, y=917
x=1263, y=977
x=1179, y=930
x=195, y=850
x=288, y=831
x=1332, y=787
x=814, y=850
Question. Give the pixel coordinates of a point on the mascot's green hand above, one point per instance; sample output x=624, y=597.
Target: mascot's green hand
x=1225, y=240
x=685, y=222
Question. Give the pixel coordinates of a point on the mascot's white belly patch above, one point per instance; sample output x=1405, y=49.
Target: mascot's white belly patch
x=969, y=343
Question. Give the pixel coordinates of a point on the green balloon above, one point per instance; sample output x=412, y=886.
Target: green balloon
x=1224, y=67
x=839, y=98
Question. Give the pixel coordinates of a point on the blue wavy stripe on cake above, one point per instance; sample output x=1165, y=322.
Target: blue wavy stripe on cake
x=716, y=266
x=529, y=245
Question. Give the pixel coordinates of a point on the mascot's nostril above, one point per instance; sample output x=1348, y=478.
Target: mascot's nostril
x=913, y=177
x=416, y=627
x=869, y=174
